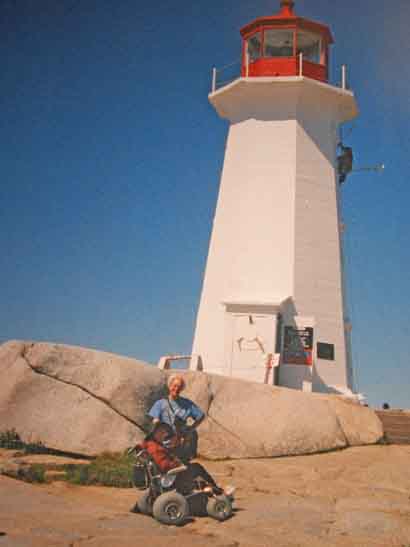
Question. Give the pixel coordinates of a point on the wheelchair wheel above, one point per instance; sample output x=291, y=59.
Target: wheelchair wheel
x=170, y=508
x=145, y=503
x=219, y=508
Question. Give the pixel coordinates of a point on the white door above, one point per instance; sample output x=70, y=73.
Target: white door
x=253, y=340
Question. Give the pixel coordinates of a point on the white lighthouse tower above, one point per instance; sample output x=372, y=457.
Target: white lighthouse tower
x=273, y=287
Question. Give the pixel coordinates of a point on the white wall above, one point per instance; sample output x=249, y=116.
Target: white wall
x=251, y=250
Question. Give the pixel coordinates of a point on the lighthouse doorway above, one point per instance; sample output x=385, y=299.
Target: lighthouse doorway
x=252, y=346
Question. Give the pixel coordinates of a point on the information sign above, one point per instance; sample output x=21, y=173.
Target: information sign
x=298, y=346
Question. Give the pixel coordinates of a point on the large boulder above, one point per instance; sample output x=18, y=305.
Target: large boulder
x=75, y=399
x=86, y=401
x=246, y=419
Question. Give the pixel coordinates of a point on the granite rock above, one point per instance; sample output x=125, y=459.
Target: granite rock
x=87, y=401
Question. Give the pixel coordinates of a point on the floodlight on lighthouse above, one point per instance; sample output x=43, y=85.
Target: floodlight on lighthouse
x=344, y=162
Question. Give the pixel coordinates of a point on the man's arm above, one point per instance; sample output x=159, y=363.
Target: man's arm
x=197, y=415
x=155, y=412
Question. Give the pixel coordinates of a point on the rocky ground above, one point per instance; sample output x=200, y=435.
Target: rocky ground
x=354, y=497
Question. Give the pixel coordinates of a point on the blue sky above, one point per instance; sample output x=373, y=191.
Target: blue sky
x=111, y=156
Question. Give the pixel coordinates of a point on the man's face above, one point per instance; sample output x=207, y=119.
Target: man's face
x=175, y=388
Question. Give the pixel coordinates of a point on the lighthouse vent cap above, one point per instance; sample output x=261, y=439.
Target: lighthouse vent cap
x=287, y=6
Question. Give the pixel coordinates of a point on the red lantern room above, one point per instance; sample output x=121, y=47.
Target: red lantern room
x=286, y=45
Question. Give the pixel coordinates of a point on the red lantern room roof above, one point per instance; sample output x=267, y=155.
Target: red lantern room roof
x=288, y=45
x=287, y=17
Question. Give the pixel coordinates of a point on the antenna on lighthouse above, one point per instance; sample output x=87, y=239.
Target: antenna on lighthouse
x=377, y=168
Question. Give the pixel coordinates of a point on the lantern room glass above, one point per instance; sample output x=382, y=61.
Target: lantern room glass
x=309, y=45
x=255, y=46
x=278, y=43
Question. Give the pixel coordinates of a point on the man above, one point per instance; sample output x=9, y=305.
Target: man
x=182, y=414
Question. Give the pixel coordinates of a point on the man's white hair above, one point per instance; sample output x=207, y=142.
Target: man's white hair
x=174, y=377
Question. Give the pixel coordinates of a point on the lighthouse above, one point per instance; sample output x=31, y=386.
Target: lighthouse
x=272, y=307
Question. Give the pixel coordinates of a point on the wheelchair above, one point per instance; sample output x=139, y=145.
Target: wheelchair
x=172, y=501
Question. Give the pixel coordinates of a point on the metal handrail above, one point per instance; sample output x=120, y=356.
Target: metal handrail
x=215, y=83
x=218, y=84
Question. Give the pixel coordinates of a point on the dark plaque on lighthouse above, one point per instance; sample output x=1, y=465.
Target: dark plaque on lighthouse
x=325, y=351
x=297, y=346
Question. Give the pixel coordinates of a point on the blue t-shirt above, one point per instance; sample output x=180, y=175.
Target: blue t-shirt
x=166, y=410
